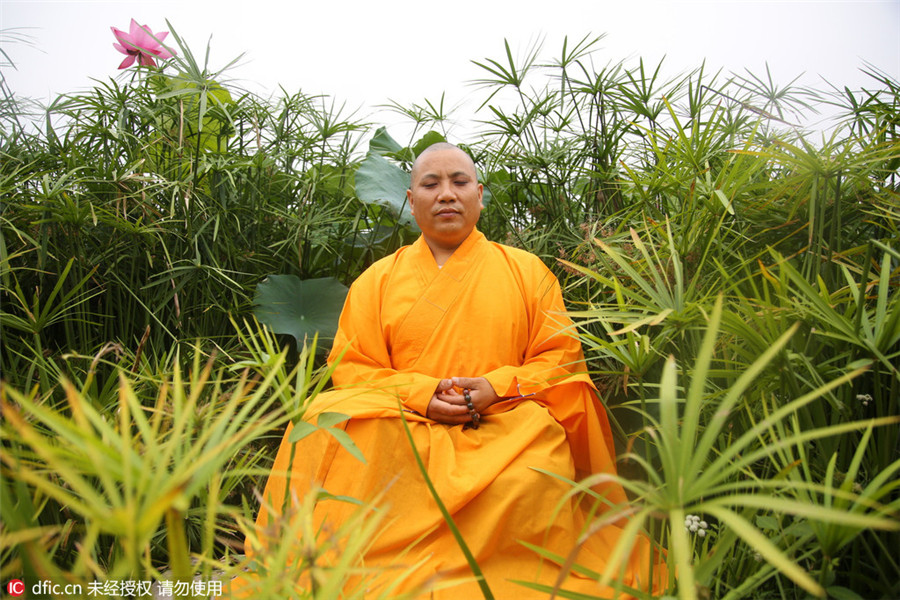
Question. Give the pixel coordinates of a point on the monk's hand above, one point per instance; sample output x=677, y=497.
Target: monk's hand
x=447, y=405
x=480, y=390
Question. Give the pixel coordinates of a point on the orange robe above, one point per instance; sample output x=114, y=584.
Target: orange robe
x=491, y=311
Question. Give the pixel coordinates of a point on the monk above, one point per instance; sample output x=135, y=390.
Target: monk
x=469, y=338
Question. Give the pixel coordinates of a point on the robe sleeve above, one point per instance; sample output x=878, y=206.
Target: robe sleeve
x=553, y=355
x=364, y=357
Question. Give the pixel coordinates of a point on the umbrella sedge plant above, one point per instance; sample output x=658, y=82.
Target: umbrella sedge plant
x=701, y=472
x=155, y=486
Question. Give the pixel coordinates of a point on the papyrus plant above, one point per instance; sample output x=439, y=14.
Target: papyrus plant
x=154, y=484
x=704, y=465
x=115, y=480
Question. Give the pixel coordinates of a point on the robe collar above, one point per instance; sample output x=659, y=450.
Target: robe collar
x=440, y=291
x=457, y=262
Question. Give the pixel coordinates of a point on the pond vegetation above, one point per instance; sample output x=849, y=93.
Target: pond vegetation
x=735, y=280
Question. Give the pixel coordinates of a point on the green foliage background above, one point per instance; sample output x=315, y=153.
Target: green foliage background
x=734, y=278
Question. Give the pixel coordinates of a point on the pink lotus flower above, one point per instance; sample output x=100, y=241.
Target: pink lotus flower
x=141, y=44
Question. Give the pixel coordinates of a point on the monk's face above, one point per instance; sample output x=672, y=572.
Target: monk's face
x=445, y=196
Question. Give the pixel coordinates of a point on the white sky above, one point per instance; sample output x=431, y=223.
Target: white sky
x=369, y=52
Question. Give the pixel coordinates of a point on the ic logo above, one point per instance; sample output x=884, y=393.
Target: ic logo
x=16, y=587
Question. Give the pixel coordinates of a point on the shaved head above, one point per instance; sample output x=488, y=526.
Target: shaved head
x=436, y=148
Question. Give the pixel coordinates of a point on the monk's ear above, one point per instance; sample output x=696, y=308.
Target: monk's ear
x=409, y=200
x=481, y=195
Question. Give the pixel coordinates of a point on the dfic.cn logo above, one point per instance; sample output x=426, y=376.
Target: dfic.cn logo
x=16, y=587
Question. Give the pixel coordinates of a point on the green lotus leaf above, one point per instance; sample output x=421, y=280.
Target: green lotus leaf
x=382, y=143
x=379, y=181
x=301, y=308
x=432, y=137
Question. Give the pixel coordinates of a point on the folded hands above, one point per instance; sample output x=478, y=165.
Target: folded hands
x=449, y=405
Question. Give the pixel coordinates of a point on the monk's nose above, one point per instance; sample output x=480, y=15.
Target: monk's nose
x=446, y=194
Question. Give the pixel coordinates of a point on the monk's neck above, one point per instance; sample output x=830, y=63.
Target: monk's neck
x=441, y=252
